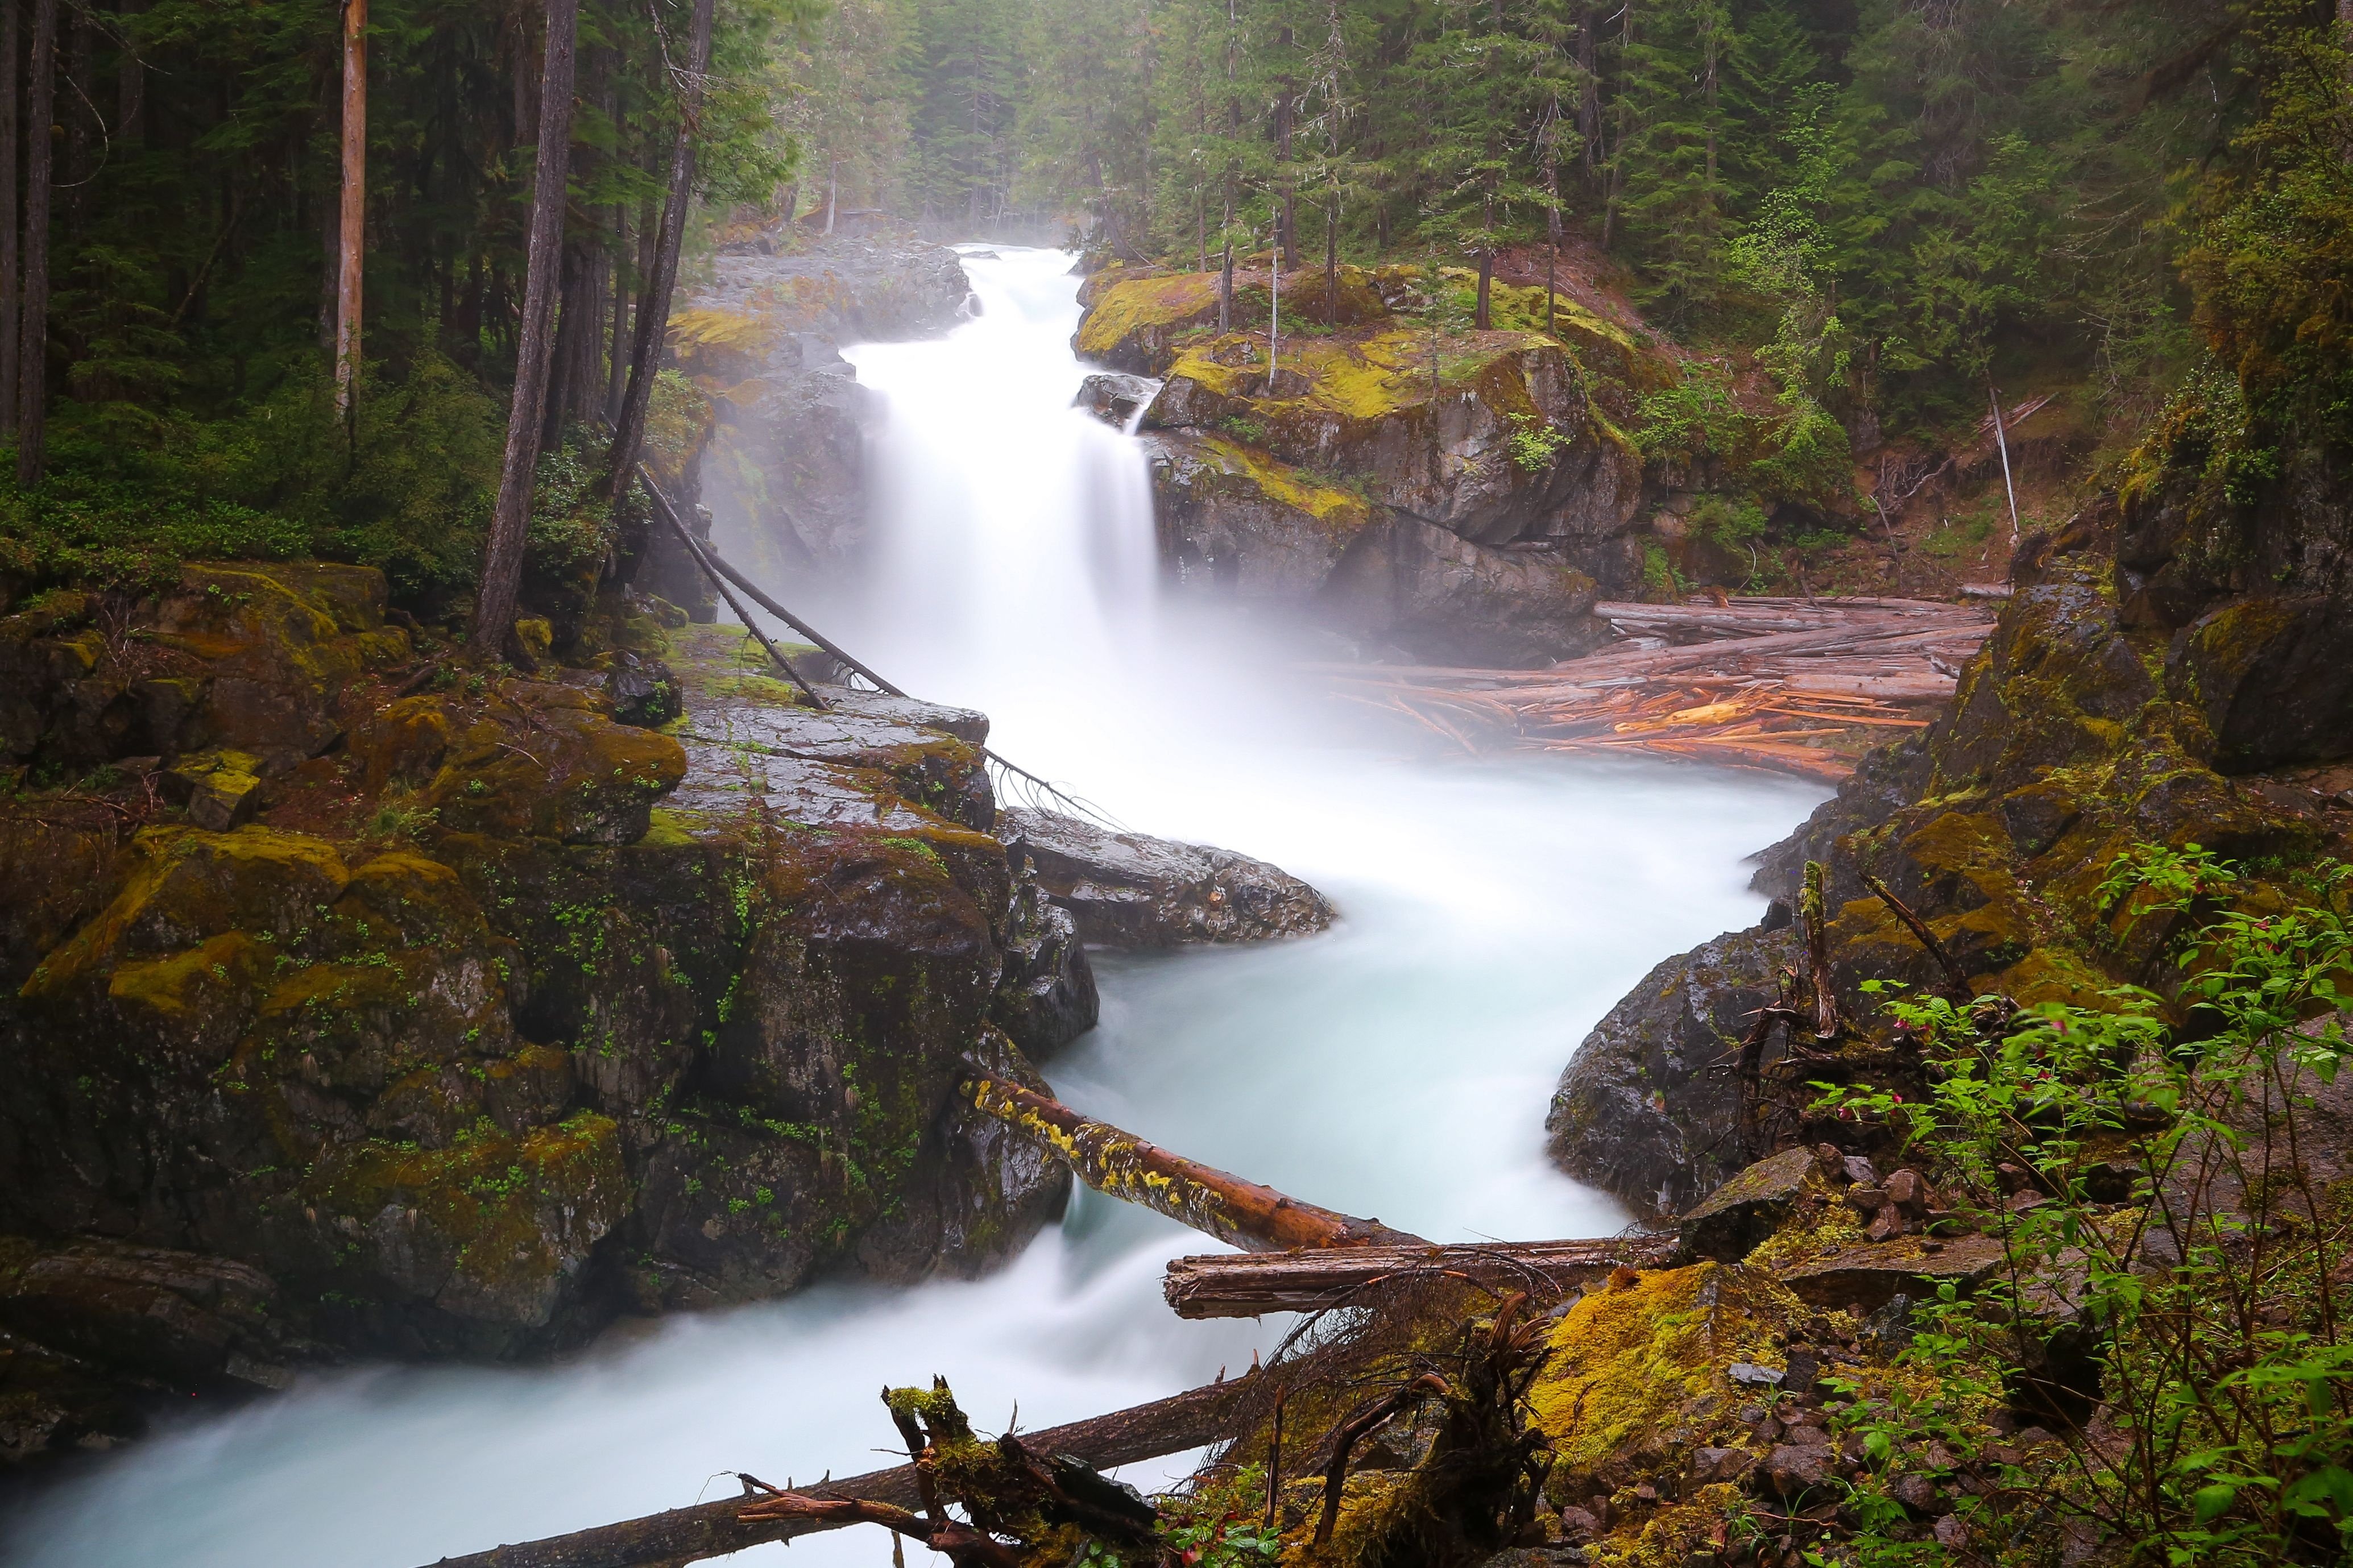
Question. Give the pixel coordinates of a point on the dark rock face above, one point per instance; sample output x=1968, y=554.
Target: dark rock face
x=762, y=341
x=507, y=1015
x=1125, y=890
x=2075, y=736
x=1640, y=1112
x=1746, y=1209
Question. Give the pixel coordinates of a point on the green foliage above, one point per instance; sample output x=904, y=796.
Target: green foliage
x=1534, y=445
x=2148, y=1185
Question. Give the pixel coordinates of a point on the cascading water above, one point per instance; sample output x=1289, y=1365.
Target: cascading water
x=1397, y=1066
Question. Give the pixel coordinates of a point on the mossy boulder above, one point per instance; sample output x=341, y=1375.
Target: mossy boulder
x=2273, y=677
x=571, y=773
x=1133, y=323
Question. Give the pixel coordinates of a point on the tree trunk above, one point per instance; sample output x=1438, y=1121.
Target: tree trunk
x=33, y=340
x=1216, y=1202
x=494, y=607
x=131, y=84
x=1332, y=261
x=1190, y=1420
x=10, y=277
x=1246, y=1285
x=351, y=220
x=1588, y=93
x=654, y=291
x=1483, y=315
x=1226, y=290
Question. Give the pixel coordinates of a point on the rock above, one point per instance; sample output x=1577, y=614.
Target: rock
x=1951, y=1534
x=1125, y=890
x=1578, y=1527
x=189, y=1321
x=642, y=692
x=2274, y=678
x=1115, y=398
x=1887, y=1223
x=1908, y=1191
x=1874, y=1274
x=1793, y=1470
x=1451, y=600
x=1640, y=1111
x=1714, y=1465
x=1132, y=321
x=568, y=773
x=220, y=788
x=1918, y=1493
x=1750, y=1375
x=1746, y=1209
x=1047, y=996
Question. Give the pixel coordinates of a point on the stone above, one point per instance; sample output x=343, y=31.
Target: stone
x=1793, y=1470
x=2274, y=678
x=1127, y=889
x=1874, y=1273
x=1640, y=1112
x=642, y=690
x=220, y=788
x=1951, y=1534
x=1917, y=1493
x=1746, y=1209
x=1578, y=1526
x=1115, y=398
x=1908, y=1191
x=1750, y=1375
x=1886, y=1223
x=190, y=1321
x=1712, y=1465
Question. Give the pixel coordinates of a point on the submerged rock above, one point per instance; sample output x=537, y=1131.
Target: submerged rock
x=1128, y=890
x=1114, y=397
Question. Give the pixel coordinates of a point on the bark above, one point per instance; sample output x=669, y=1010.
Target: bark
x=1957, y=982
x=11, y=281
x=1246, y=1285
x=32, y=342
x=351, y=219
x=617, y=363
x=1216, y=1202
x=494, y=607
x=654, y=289
x=1170, y=1425
x=131, y=84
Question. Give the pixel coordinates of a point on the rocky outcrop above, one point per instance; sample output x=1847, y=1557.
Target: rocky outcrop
x=500, y=1015
x=1449, y=500
x=761, y=339
x=2078, y=733
x=1127, y=889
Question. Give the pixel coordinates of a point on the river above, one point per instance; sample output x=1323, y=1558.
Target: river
x=1398, y=1066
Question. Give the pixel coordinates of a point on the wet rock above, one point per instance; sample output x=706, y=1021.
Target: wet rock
x=1127, y=889
x=1873, y=1273
x=1793, y=1470
x=1640, y=1112
x=219, y=788
x=181, y=1318
x=1115, y=398
x=642, y=692
x=1047, y=997
x=2273, y=679
x=574, y=775
x=1746, y=1209
x=1449, y=600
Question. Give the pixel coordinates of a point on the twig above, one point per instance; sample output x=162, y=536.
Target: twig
x=1957, y=984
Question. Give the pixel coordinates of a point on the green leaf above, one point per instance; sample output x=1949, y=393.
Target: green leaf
x=2211, y=1503
x=2332, y=1484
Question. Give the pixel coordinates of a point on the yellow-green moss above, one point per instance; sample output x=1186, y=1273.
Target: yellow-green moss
x=1336, y=511
x=1132, y=304
x=181, y=986
x=1628, y=1358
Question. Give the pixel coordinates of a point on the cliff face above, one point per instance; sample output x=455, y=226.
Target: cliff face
x=1457, y=497
x=452, y=1013
x=2143, y=687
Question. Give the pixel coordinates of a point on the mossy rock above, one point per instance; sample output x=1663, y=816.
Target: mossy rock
x=573, y=775
x=1131, y=324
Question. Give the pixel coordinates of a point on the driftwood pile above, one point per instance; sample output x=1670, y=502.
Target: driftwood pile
x=1785, y=684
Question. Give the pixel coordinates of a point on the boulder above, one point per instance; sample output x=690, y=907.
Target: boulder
x=187, y=1319
x=1449, y=601
x=1126, y=889
x=1115, y=398
x=1746, y=1209
x=1640, y=1111
x=1875, y=1273
x=2273, y=679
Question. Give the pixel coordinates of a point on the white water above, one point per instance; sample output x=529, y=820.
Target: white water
x=1398, y=1066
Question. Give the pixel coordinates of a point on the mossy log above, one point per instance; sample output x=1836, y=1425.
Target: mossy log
x=1216, y=1202
x=1224, y=1284
x=683, y=1535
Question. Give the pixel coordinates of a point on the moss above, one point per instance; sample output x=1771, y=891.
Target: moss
x=1630, y=1357
x=1131, y=307
x=188, y=989
x=1338, y=513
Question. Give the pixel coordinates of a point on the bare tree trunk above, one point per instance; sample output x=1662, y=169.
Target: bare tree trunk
x=1249, y=1284
x=1332, y=259
x=10, y=277
x=616, y=363
x=131, y=85
x=494, y=607
x=1216, y=1202
x=351, y=222
x=654, y=291
x=33, y=351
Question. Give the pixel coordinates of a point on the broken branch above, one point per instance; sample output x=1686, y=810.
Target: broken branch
x=1223, y=1285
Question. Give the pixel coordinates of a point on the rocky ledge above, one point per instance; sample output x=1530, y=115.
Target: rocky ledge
x=1454, y=501
x=451, y=1014
x=1125, y=890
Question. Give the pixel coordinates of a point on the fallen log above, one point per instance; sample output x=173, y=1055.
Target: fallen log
x=1216, y=1202
x=1245, y=1284
x=1182, y=1421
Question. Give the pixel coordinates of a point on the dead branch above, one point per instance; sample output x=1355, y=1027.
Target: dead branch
x=1216, y=1202
x=1956, y=984
x=1246, y=1285
x=686, y=1535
